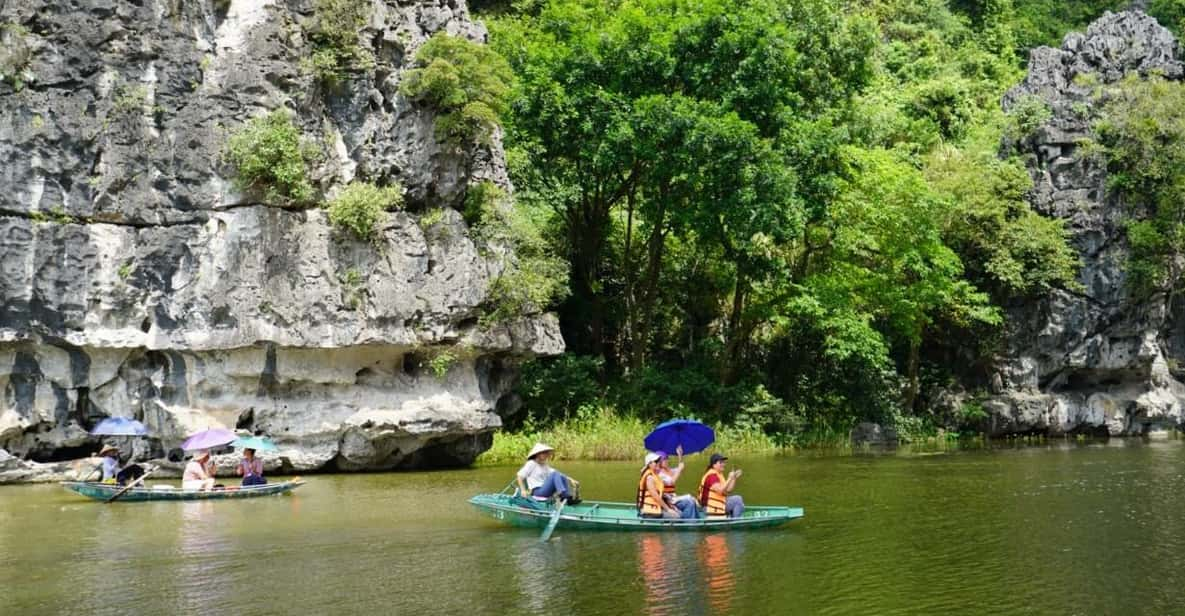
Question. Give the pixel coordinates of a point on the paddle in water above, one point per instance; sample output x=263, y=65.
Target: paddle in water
x=132, y=484
x=555, y=519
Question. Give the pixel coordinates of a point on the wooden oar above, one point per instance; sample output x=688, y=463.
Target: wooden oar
x=555, y=519
x=132, y=484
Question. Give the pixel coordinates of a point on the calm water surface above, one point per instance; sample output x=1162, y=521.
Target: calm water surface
x=1092, y=529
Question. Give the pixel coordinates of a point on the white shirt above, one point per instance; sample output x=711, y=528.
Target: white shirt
x=534, y=473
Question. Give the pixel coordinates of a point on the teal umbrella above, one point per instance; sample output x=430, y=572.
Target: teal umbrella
x=258, y=443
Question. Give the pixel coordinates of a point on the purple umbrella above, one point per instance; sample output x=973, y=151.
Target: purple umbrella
x=208, y=439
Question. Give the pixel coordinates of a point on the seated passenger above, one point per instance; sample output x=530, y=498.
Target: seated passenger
x=650, y=502
x=540, y=481
x=199, y=474
x=251, y=468
x=715, y=489
x=685, y=503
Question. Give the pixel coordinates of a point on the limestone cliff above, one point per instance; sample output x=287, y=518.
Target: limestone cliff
x=135, y=280
x=1097, y=361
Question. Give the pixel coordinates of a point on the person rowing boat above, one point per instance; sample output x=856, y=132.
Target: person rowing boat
x=538, y=480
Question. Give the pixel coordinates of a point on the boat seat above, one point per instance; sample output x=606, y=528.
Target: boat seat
x=161, y=486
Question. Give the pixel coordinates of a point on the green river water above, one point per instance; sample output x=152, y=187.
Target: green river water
x=1063, y=529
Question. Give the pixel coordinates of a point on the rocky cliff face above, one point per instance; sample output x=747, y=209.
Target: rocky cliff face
x=1095, y=361
x=135, y=280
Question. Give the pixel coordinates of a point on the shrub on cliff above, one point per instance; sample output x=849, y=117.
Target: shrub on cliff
x=334, y=34
x=1142, y=139
x=532, y=276
x=271, y=156
x=467, y=83
x=361, y=206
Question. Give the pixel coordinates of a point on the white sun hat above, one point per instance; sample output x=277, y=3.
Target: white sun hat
x=538, y=449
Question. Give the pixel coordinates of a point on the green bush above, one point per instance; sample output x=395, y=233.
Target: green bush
x=272, y=157
x=1029, y=113
x=362, y=206
x=532, y=276
x=467, y=83
x=334, y=34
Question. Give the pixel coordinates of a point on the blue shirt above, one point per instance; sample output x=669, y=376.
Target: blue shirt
x=110, y=467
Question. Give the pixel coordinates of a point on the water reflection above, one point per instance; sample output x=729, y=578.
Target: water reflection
x=541, y=576
x=688, y=573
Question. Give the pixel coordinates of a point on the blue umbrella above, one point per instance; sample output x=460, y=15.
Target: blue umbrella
x=120, y=426
x=692, y=435
x=258, y=443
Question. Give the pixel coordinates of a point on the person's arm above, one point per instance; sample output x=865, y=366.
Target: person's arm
x=731, y=482
x=241, y=468
x=520, y=477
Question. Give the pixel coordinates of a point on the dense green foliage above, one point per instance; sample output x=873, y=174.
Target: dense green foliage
x=531, y=276
x=271, y=157
x=1142, y=134
x=784, y=216
x=334, y=33
x=361, y=206
x=465, y=82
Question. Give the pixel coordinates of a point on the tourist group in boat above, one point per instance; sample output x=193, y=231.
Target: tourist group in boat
x=657, y=495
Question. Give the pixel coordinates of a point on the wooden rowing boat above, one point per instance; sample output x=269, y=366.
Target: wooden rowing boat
x=601, y=515
x=104, y=491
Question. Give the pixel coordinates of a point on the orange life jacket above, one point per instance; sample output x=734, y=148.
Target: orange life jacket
x=714, y=502
x=647, y=505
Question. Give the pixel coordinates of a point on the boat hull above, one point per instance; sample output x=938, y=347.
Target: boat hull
x=600, y=515
x=104, y=491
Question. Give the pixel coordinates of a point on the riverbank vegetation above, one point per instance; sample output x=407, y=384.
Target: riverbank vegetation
x=782, y=218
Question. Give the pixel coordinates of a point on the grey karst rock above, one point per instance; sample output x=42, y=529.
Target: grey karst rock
x=136, y=280
x=1096, y=361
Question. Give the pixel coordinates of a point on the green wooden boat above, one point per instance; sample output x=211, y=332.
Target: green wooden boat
x=601, y=515
x=104, y=491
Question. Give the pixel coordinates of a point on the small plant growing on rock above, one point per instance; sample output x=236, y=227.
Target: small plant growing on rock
x=1027, y=116
x=334, y=34
x=440, y=364
x=351, y=281
x=271, y=156
x=467, y=83
x=431, y=218
x=129, y=100
x=125, y=270
x=16, y=54
x=532, y=276
x=362, y=206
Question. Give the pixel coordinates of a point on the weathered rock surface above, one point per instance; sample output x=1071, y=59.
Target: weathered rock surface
x=1097, y=361
x=136, y=281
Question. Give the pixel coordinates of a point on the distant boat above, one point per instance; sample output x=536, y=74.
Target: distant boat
x=600, y=515
x=104, y=491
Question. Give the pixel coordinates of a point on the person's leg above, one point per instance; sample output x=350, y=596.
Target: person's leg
x=549, y=487
x=734, y=506
x=671, y=515
x=686, y=505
